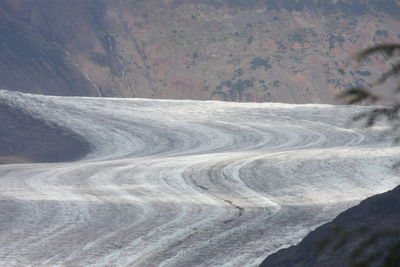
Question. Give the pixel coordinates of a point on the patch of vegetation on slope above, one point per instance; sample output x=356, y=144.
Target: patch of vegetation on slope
x=349, y=7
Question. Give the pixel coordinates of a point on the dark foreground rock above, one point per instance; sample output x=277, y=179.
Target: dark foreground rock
x=365, y=235
x=26, y=139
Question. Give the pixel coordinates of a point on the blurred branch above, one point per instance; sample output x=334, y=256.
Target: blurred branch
x=359, y=94
x=356, y=95
x=389, y=113
x=393, y=72
x=385, y=49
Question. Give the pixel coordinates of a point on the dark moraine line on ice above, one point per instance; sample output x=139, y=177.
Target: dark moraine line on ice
x=24, y=139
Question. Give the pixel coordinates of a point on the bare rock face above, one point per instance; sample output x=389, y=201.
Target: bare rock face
x=365, y=235
x=233, y=50
x=32, y=57
x=25, y=139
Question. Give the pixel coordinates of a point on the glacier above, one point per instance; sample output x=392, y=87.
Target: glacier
x=186, y=183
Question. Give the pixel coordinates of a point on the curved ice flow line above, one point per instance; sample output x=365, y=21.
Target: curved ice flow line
x=179, y=183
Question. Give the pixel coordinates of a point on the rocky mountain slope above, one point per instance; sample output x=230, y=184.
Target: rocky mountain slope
x=365, y=235
x=258, y=50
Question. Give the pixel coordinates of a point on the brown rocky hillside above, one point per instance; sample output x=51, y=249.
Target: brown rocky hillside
x=234, y=50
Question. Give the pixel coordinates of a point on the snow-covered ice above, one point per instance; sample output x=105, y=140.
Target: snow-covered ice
x=185, y=183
